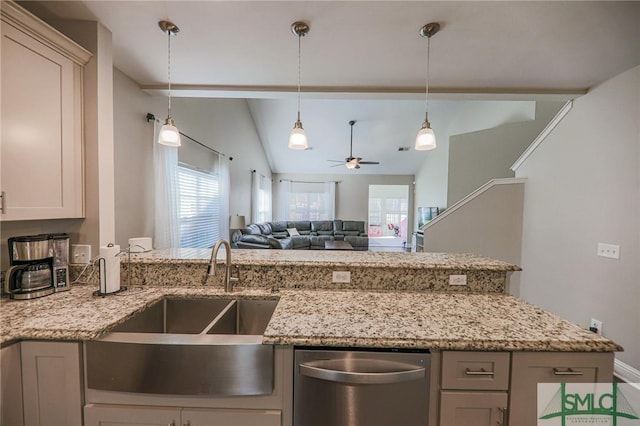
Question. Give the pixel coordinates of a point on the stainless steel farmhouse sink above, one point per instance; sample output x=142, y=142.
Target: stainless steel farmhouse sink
x=187, y=347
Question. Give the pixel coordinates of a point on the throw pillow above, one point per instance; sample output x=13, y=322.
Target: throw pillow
x=293, y=232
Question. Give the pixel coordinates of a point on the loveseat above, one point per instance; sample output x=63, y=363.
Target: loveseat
x=303, y=234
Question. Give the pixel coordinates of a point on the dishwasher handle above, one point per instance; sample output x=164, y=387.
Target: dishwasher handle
x=318, y=371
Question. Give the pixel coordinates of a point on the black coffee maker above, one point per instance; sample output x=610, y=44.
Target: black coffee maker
x=32, y=265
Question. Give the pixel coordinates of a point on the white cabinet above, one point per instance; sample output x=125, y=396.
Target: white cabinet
x=131, y=415
x=531, y=368
x=51, y=383
x=11, y=388
x=41, y=154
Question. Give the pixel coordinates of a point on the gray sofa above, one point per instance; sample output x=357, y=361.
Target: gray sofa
x=313, y=234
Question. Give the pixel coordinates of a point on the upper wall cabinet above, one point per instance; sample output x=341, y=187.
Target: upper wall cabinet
x=41, y=153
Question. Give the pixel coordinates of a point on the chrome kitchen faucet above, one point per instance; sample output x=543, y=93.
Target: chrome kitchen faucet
x=211, y=269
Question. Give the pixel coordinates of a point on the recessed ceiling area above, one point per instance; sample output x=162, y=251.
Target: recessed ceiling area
x=365, y=61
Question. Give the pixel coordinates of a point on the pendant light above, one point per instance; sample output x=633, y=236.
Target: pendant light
x=169, y=134
x=426, y=139
x=298, y=138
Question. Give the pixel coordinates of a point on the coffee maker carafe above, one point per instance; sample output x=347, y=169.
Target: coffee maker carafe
x=32, y=266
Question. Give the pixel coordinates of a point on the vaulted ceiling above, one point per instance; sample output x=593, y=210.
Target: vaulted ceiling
x=364, y=60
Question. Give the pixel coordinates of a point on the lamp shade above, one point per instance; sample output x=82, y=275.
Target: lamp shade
x=237, y=222
x=426, y=139
x=169, y=134
x=298, y=137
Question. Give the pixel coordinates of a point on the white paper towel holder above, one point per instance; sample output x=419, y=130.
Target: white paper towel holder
x=102, y=278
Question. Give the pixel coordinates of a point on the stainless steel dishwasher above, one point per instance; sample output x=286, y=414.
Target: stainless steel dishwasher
x=353, y=387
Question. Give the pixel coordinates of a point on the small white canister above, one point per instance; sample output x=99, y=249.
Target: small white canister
x=140, y=244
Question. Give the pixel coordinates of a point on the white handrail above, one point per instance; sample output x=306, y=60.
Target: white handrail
x=471, y=196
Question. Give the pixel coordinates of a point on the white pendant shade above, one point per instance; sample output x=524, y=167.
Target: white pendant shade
x=169, y=135
x=425, y=140
x=298, y=138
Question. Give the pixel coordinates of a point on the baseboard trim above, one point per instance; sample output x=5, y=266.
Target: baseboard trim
x=625, y=372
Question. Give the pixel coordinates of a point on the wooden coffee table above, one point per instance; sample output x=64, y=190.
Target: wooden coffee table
x=337, y=245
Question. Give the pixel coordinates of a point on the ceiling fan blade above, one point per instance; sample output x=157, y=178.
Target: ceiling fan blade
x=336, y=161
x=338, y=165
x=368, y=162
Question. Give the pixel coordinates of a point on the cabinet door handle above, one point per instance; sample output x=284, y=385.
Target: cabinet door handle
x=481, y=372
x=3, y=202
x=567, y=372
x=503, y=416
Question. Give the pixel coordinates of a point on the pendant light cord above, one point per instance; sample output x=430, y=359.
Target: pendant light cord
x=426, y=95
x=299, y=61
x=169, y=72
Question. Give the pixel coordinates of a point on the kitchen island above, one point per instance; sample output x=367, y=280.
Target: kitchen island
x=469, y=327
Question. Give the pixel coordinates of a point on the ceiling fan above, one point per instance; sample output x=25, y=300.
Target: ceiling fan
x=352, y=162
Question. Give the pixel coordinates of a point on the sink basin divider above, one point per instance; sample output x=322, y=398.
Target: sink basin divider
x=218, y=317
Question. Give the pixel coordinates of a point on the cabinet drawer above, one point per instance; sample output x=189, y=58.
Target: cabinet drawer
x=475, y=370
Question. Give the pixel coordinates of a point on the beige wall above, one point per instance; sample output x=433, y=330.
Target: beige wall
x=352, y=193
x=476, y=158
x=583, y=187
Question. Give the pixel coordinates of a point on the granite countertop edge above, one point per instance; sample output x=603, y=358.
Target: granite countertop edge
x=45, y=320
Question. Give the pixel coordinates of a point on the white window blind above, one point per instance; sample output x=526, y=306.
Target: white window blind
x=311, y=201
x=199, y=207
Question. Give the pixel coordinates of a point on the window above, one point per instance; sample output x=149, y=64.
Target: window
x=198, y=207
x=311, y=201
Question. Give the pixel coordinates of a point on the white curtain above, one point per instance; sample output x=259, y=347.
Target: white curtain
x=261, y=210
x=285, y=191
x=330, y=194
x=223, y=175
x=166, y=228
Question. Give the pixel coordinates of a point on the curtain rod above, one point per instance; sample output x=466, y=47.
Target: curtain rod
x=306, y=181
x=151, y=117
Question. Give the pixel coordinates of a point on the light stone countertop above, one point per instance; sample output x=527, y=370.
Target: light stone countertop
x=325, y=317
x=330, y=258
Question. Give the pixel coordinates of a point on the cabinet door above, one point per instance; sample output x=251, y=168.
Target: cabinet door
x=41, y=150
x=465, y=408
x=11, y=388
x=126, y=415
x=51, y=384
x=530, y=368
x=212, y=417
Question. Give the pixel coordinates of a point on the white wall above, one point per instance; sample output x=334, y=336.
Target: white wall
x=133, y=159
x=583, y=188
x=352, y=193
x=222, y=124
x=477, y=157
x=462, y=117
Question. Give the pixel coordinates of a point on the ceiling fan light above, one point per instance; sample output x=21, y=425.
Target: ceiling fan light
x=298, y=137
x=352, y=164
x=169, y=134
x=426, y=139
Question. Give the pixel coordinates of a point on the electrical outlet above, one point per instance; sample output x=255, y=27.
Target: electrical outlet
x=595, y=326
x=609, y=250
x=457, y=280
x=80, y=253
x=341, y=276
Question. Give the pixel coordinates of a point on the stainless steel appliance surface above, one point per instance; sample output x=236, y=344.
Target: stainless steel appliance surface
x=361, y=387
x=60, y=248
x=32, y=263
